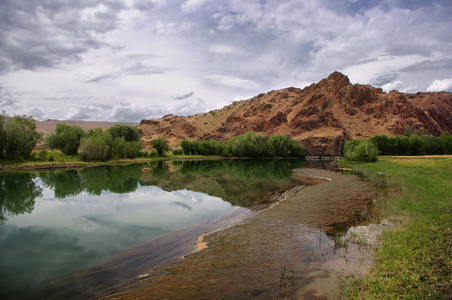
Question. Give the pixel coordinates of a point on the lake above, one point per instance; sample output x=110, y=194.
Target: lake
x=56, y=224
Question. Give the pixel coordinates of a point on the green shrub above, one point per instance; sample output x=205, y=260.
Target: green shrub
x=96, y=147
x=160, y=144
x=18, y=136
x=66, y=138
x=360, y=150
x=178, y=151
x=129, y=133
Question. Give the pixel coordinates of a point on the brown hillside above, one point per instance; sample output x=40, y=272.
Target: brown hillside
x=47, y=127
x=321, y=116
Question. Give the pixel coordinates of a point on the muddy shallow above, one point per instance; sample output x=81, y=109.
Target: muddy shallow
x=285, y=249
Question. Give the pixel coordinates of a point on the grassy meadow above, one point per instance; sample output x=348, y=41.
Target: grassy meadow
x=413, y=260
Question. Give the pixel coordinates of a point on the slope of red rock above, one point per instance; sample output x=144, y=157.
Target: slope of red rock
x=322, y=116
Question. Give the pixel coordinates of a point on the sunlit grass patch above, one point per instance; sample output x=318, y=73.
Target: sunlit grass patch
x=414, y=261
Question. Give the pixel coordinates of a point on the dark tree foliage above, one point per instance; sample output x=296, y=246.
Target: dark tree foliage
x=66, y=138
x=18, y=136
x=63, y=183
x=98, y=145
x=18, y=192
x=160, y=144
x=129, y=133
x=411, y=144
x=251, y=144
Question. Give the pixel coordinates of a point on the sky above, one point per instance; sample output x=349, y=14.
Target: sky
x=128, y=60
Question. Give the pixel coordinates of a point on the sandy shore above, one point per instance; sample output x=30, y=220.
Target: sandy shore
x=289, y=249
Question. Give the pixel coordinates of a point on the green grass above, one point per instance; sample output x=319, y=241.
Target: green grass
x=414, y=259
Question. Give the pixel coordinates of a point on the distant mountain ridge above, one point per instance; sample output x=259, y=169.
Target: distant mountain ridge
x=322, y=116
x=48, y=126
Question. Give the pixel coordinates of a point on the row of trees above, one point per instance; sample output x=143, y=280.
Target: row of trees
x=119, y=141
x=411, y=144
x=408, y=144
x=250, y=144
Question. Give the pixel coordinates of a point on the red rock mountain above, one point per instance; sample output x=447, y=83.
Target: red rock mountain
x=322, y=116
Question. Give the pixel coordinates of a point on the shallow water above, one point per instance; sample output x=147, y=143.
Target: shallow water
x=58, y=223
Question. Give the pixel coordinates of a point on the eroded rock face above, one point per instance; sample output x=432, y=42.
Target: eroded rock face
x=322, y=116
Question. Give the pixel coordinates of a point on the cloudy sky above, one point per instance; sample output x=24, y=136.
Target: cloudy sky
x=127, y=60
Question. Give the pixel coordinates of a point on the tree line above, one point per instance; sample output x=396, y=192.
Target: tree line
x=405, y=145
x=250, y=144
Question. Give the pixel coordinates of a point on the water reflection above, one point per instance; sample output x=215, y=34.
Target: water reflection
x=56, y=222
x=18, y=192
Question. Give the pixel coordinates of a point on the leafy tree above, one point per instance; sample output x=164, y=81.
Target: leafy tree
x=209, y=147
x=96, y=146
x=360, y=150
x=431, y=145
x=285, y=146
x=445, y=140
x=18, y=136
x=66, y=138
x=160, y=144
x=129, y=133
x=185, y=145
x=384, y=144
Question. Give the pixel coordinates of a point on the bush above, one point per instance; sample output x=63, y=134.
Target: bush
x=18, y=136
x=160, y=144
x=360, y=150
x=445, y=141
x=66, y=138
x=285, y=146
x=129, y=133
x=96, y=147
x=178, y=152
x=252, y=144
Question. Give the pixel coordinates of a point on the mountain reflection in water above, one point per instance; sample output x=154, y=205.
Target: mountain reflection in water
x=57, y=222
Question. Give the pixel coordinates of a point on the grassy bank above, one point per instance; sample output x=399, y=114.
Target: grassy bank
x=413, y=260
x=56, y=160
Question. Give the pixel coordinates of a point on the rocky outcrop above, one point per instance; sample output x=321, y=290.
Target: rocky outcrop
x=322, y=116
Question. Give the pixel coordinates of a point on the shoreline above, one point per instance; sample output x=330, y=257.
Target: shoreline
x=284, y=250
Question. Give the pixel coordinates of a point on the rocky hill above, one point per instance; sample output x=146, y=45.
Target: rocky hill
x=322, y=116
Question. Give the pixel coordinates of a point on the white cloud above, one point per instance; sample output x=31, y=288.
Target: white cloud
x=192, y=5
x=233, y=81
x=146, y=54
x=189, y=108
x=83, y=112
x=441, y=85
x=395, y=85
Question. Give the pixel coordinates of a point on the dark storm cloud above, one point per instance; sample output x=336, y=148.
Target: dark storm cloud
x=36, y=34
x=383, y=79
x=430, y=65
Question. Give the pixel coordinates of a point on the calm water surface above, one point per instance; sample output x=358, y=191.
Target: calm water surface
x=57, y=222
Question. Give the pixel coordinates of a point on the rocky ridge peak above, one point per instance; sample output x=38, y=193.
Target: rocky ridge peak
x=322, y=116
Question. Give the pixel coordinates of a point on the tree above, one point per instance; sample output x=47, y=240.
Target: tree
x=360, y=150
x=96, y=146
x=445, y=140
x=129, y=133
x=18, y=136
x=160, y=144
x=285, y=146
x=66, y=138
